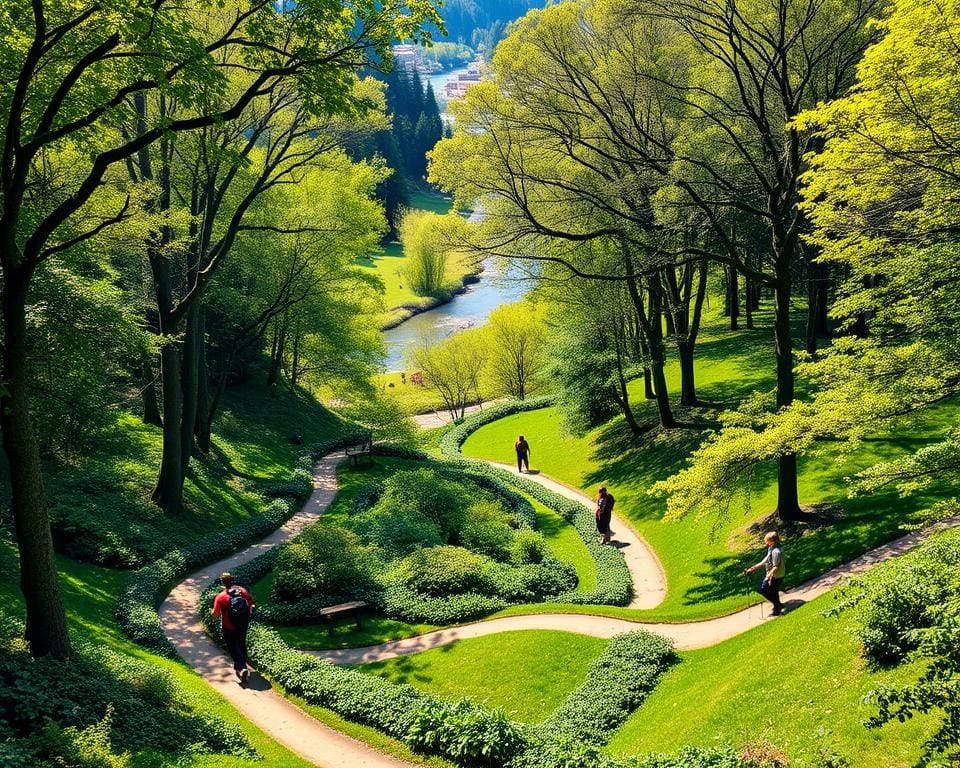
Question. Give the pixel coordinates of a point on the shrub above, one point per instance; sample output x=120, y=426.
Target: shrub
x=529, y=547
x=618, y=682
x=102, y=700
x=425, y=491
x=468, y=733
x=324, y=560
x=397, y=532
x=895, y=600
x=487, y=531
x=444, y=571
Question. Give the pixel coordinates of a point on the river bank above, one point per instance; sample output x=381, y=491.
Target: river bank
x=399, y=315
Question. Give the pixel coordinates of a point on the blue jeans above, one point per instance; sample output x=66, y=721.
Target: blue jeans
x=236, y=641
x=770, y=589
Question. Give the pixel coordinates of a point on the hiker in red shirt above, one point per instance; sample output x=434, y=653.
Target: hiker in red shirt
x=234, y=606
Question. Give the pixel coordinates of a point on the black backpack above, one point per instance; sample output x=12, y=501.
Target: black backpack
x=238, y=608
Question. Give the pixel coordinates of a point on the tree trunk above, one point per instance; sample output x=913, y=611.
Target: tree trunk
x=204, y=416
x=788, y=503
x=750, y=303
x=811, y=328
x=276, y=355
x=648, y=393
x=151, y=408
x=189, y=376
x=688, y=387
x=733, y=286
x=46, y=622
x=168, y=493
x=657, y=359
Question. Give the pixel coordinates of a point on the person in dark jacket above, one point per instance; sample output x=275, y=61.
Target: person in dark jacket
x=604, y=514
x=523, y=454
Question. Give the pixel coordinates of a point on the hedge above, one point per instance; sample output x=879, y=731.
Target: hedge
x=146, y=588
x=626, y=672
x=614, y=583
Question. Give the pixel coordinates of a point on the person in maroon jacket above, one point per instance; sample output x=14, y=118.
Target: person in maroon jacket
x=604, y=514
x=522, y=448
x=234, y=606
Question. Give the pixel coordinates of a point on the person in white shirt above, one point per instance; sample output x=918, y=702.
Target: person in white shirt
x=774, y=571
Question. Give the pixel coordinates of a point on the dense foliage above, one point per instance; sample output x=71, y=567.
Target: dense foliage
x=908, y=608
x=97, y=710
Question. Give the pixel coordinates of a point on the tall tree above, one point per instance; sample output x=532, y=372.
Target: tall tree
x=73, y=73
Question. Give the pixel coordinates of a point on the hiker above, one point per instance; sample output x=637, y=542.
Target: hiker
x=234, y=606
x=605, y=502
x=774, y=570
x=523, y=454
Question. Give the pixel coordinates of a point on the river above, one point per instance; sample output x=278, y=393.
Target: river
x=497, y=286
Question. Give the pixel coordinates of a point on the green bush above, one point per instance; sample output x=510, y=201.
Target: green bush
x=426, y=492
x=324, y=560
x=487, y=531
x=535, y=581
x=624, y=675
x=467, y=733
x=444, y=571
x=396, y=532
x=529, y=547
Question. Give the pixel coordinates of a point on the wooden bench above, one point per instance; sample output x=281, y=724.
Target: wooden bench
x=334, y=612
x=360, y=448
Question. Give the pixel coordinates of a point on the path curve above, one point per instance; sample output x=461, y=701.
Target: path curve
x=686, y=636
x=646, y=572
x=439, y=418
x=258, y=702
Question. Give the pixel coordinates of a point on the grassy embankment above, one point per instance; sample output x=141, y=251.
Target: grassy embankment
x=704, y=559
x=252, y=449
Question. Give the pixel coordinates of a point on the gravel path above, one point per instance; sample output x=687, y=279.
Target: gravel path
x=258, y=702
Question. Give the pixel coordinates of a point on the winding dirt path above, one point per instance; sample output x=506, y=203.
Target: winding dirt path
x=646, y=572
x=258, y=702
x=326, y=747
x=686, y=636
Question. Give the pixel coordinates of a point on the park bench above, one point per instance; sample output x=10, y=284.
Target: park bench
x=334, y=612
x=360, y=448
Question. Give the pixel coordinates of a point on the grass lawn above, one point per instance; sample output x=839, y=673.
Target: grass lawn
x=560, y=535
x=413, y=399
x=390, y=265
x=528, y=674
x=797, y=682
x=703, y=562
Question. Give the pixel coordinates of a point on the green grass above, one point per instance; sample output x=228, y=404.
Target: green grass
x=703, y=562
x=797, y=682
x=390, y=265
x=528, y=673
x=251, y=449
x=89, y=593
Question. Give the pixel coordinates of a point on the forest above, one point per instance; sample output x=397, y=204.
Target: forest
x=606, y=416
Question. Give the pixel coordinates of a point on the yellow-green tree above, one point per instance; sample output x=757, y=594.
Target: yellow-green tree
x=516, y=348
x=452, y=367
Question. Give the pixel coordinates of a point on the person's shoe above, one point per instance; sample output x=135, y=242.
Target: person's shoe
x=776, y=612
x=244, y=674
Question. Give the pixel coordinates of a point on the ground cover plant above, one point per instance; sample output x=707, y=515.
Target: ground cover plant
x=424, y=549
x=704, y=560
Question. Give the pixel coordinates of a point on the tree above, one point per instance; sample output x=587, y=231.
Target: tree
x=452, y=368
x=426, y=249
x=516, y=348
x=558, y=152
x=739, y=153
x=74, y=74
